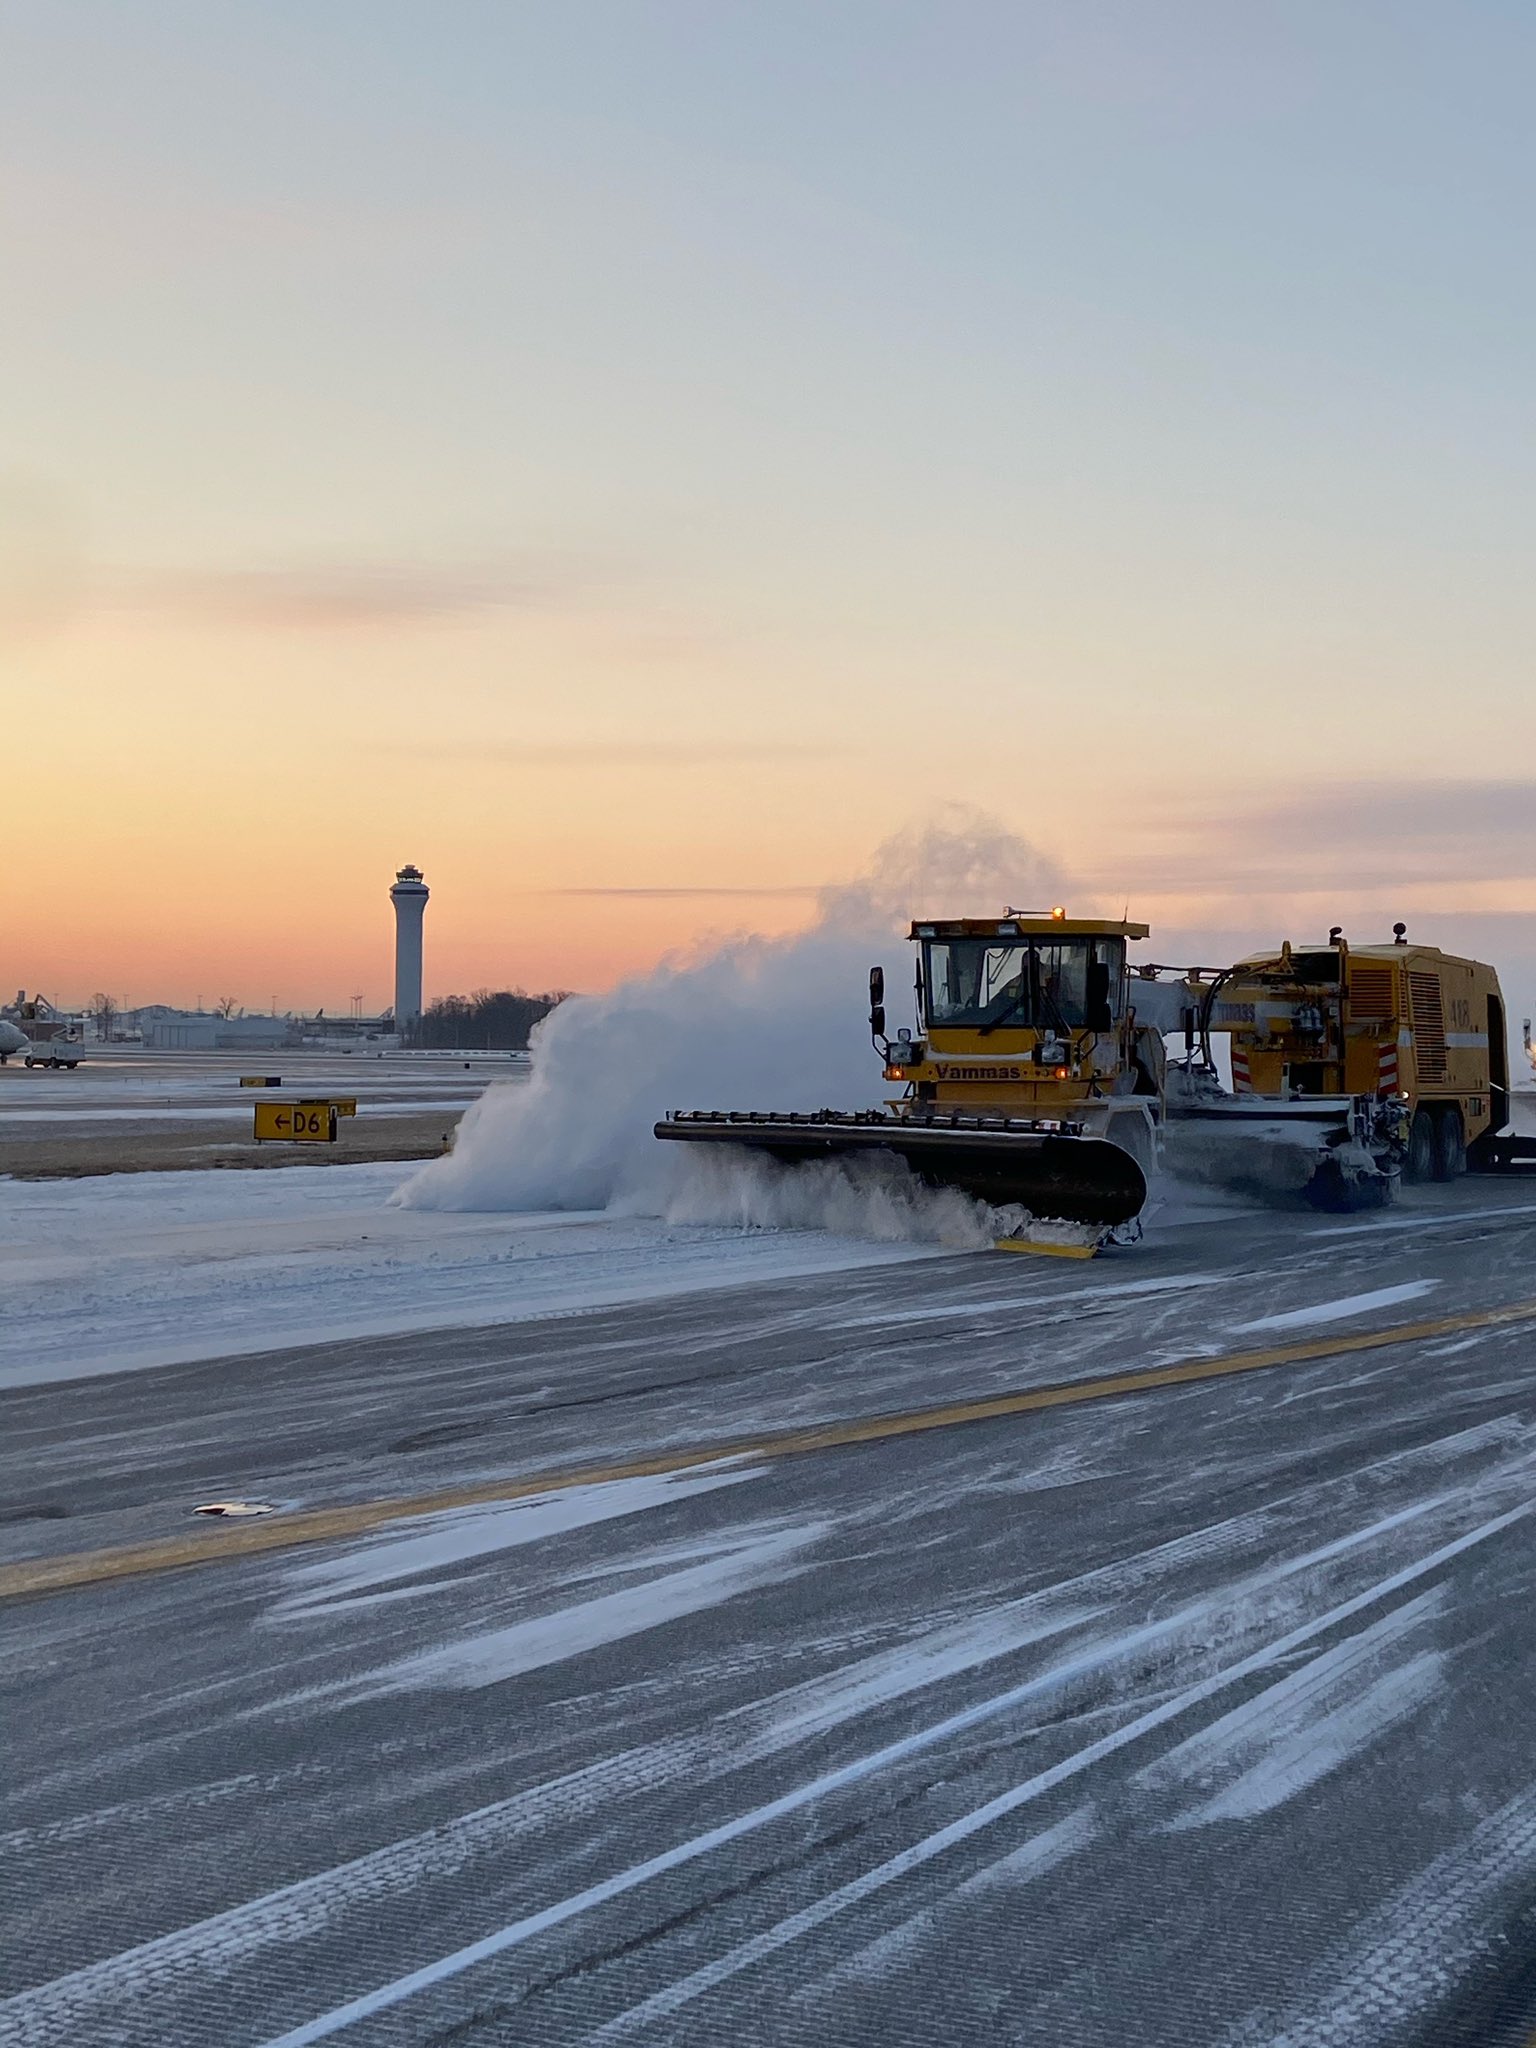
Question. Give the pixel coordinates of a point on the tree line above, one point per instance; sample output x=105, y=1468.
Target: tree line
x=490, y=1020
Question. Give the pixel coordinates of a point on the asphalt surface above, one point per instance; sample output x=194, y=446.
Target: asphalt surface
x=1197, y=1715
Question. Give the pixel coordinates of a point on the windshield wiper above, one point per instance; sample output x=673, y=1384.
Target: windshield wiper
x=1002, y=1017
x=1051, y=1010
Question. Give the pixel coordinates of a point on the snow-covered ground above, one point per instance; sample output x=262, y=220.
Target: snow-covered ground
x=174, y=1113
x=125, y=1085
x=132, y=1270
x=125, y=1271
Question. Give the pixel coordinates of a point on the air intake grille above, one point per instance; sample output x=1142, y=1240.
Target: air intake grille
x=1372, y=992
x=1428, y=1026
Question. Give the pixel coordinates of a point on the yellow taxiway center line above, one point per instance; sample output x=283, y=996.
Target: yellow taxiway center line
x=213, y=1543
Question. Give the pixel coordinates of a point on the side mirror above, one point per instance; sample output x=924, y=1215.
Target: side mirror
x=877, y=1002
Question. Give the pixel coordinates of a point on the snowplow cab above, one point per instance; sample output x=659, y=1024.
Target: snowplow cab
x=1025, y=1013
x=1027, y=1080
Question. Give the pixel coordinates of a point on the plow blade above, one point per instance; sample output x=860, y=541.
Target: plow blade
x=1052, y=1169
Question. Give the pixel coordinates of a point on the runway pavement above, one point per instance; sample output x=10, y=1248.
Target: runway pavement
x=1196, y=1713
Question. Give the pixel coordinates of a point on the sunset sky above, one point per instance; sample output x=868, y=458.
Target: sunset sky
x=631, y=458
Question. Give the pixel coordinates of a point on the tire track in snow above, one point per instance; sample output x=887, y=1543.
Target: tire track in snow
x=664, y=2003
x=55, y=2011
x=1414, y=1951
x=159, y=1972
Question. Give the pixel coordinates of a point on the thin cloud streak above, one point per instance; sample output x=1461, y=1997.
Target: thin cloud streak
x=339, y=594
x=1435, y=807
x=786, y=889
x=1404, y=834
x=649, y=754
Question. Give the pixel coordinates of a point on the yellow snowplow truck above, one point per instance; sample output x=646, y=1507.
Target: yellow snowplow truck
x=1396, y=1056
x=1029, y=1078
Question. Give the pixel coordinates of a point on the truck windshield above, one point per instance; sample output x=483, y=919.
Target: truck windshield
x=1038, y=983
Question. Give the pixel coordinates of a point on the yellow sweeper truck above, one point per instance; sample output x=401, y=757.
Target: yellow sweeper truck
x=1396, y=1056
x=1038, y=1073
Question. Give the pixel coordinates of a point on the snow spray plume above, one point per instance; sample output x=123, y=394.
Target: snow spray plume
x=754, y=1024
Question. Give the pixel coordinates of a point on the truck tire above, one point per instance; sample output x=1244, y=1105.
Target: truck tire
x=30, y=1061
x=1450, y=1145
x=1420, y=1163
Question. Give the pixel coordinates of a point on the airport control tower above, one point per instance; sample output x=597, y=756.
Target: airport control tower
x=409, y=896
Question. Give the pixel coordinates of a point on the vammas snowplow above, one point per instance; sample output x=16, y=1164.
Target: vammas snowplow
x=1029, y=1079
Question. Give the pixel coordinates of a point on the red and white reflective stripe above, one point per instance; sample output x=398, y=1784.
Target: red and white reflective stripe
x=1241, y=1083
x=1386, y=1070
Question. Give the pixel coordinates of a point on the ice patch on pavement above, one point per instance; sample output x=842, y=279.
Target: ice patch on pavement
x=1075, y=1300
x=1032, y=1860
x=821, y=1704
x=1341, y=1310
x=1306, y=1725
x=459, y=1534
x=1035, y=1857
x=1443, y=1219
x=750, y=1559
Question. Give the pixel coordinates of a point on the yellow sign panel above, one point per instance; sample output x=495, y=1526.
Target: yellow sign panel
x=295, y=1123
x=344, y=1105
x=261, y=1080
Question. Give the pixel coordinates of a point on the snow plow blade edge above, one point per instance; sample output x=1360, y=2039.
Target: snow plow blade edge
x=1051, y=1169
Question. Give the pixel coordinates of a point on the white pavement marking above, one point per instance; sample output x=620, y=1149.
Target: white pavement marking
x=1338, y=1311
x=518, y=1932
x=1438, y=1221
x=1075, y=1299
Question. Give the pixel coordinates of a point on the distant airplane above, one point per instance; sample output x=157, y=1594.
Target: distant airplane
x=12, y=1040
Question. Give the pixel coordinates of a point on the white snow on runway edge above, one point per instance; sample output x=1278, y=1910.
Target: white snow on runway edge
x=129, y=1271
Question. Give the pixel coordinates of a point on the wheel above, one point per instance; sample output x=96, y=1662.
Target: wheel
x=1450, y=1145
x=30, y=1061
x=1420, y=1164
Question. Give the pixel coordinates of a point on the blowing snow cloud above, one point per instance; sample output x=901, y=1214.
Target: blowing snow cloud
x=751, y=1023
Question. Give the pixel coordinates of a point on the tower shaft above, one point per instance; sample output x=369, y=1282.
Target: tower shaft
x=409, y=896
